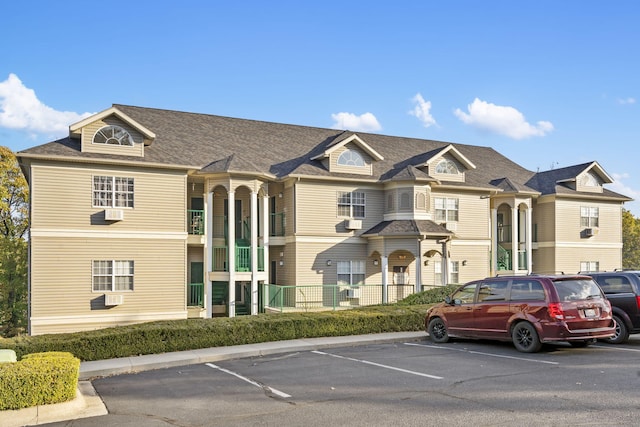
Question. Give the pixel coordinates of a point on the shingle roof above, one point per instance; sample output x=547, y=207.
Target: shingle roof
x=223, y=144
x=409, y=227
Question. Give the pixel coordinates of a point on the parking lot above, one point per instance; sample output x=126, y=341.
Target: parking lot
x=463, y=382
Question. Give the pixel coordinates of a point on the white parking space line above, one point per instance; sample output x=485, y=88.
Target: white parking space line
x=264, y=387
x=378, y=365
x=616, y=348
x=482, y=353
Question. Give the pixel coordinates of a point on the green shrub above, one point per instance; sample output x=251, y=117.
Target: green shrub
x=430, y=296
x=189, y=334
x=38, y=379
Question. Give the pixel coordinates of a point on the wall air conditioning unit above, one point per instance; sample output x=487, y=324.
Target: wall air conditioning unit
x=110, y=300
x=113, y=214
x=590, y=232
x=353, y=293
x=353, y=224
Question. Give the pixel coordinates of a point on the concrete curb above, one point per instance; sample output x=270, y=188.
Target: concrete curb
x=127, y=365
x=88, y=404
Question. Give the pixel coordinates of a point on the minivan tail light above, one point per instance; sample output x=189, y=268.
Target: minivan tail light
x=638, y=301
x=555, y=310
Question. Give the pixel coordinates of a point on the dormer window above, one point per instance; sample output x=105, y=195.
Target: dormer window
x=113, y=135
x=446, y=166
x=351, y=158
x=590, y=180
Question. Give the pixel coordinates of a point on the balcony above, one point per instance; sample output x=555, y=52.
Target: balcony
x=195, y=221
x=242, y=258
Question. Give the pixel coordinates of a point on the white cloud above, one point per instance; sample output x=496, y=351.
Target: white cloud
x=21, y=109
x=619, y=186
x=422, y=111
x=501, y=120
x=626, y=101
x=366, y=122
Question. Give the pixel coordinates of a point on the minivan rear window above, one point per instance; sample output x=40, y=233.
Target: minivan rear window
x=577, y=289
x=530, y=290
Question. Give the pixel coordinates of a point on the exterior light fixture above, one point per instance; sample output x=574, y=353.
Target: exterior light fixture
x=328, y=262
x=375, y=262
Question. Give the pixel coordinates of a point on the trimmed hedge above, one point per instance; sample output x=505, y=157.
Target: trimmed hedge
x=39, y=379
x=188, y=334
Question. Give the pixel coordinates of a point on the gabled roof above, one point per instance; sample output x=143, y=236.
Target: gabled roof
x=456, y=154
x=216, y=144
x=74, y=129
x=344, y=139
x=555, y=181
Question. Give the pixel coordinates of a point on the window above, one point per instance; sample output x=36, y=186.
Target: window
x=351, y=273
x=590, y=180
x=446, y=209
x=589, y=217
x=454, y=272
x=527, y=290
x=351, y=204
x=589, y=266
x=492, y=291
x=390, y=204
x=113, y=135
x=465, y=295
x=351, y=158
x=112, y=275
x=405, y=201
x=112, y=192
x=446, y=166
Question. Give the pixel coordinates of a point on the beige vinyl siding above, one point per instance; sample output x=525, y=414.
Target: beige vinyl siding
x=477, y=256
x=568, y=222
x=544, y=215
x=61, y=277
x=473, y=214
x=63, y=197
x=317, y=208
x=544, y=260
x=569, y=258
x=90, y=130
x=335, y=167
x=311, y=261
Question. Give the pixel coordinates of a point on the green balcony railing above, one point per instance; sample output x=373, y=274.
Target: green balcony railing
x=195, y=297
x=242, y=258
x=276, y=224
x=196, y=221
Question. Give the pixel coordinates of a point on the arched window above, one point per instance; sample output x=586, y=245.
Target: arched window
x=590, y=180
x=113, y=135
x=390, y=205
x=447, y=166
x=421, y=201
x=405, y=201
x=351, y=158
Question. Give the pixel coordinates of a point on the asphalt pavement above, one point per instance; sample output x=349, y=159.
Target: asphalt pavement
x=88, y=404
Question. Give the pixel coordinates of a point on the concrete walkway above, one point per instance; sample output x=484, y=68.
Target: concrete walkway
x=88, y=404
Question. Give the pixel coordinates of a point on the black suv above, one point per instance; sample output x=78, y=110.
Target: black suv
x=622, y=289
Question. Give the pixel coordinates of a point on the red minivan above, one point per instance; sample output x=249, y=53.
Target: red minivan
x=528, y=310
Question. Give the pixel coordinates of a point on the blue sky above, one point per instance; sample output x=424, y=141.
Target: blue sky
x=546, y=83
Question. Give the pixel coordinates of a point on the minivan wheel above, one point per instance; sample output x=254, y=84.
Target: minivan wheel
x=438, y=330
x=525, y=338
x=622, y=333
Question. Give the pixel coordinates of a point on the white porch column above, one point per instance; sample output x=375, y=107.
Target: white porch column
x=445, y=263
x=265, y=243
x=529, y=241
x=419, y=267
x=493, y=232
x=254, y=253
x=231, y=251
x=384, y=265
x=514, y=239
x=208, y=249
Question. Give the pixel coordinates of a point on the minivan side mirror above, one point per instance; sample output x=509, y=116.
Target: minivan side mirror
x=448, y=299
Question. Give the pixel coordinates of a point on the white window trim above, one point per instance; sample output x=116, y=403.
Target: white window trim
x=351, y=268
x=592, y=217
x=351, y=158
x=351, y=204
x=447, y=208
x=114, y=274
x=125, y=134
x=113, y=192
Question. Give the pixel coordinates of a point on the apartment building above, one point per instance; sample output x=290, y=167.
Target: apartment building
x=143, y=214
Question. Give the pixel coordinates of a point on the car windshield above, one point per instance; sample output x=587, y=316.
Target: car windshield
x=580, y=289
